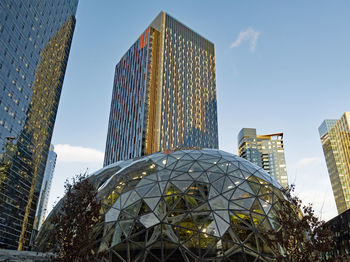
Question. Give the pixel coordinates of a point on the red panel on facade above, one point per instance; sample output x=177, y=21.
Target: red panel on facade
x=143, y=40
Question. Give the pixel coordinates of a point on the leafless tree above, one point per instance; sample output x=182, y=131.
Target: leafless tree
x=302, y=236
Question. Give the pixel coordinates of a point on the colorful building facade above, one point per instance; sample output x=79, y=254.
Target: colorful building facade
x=164, y=93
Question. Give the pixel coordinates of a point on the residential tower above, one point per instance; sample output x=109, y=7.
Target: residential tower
x=266, y=151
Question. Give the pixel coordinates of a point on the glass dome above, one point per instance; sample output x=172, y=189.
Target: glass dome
x=184, y=205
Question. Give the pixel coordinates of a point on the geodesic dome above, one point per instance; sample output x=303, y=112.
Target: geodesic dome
x=186, y=205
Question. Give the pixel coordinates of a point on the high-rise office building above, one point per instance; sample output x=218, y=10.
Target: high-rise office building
x=45, y=188
x=266, y=151
x=164, y=93
x=35, y=40
x=335, y=138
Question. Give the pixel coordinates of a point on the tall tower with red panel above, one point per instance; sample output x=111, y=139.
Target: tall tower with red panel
x=164, y=93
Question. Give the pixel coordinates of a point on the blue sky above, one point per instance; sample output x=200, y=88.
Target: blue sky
x=281, y=66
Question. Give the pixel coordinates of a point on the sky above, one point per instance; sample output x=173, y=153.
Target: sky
x=281, y=66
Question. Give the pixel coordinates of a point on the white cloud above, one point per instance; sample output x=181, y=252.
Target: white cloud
x=308, y=161
x=250, y=35
x=68, y=153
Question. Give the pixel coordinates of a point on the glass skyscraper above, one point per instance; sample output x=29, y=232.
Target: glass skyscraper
x=266, y=151
x=35, y=39
x=335, y=139
x=164, y=93
x=45, y=188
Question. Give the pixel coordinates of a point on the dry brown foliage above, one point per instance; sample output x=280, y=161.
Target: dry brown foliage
x=74, y=222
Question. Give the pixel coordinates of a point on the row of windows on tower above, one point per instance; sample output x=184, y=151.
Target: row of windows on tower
x=13, y=94
x=177, y=29
x=43, y=5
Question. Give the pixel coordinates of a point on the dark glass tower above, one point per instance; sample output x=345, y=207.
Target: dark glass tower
x=164, y=93
x=35, y=39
